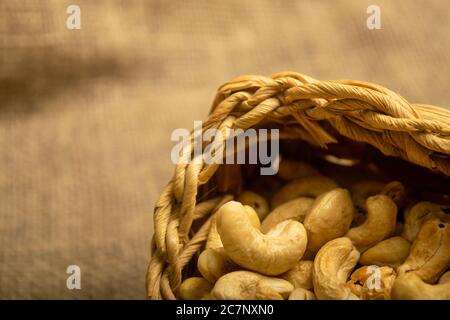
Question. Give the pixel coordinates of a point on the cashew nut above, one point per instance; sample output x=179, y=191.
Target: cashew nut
x=272, y=253
x=247, y=285
x=332, y=266
x=418, y=214
x=291, y=169
x=372, y=282
x=295, y=209
x=214, y=242
x=445, y=278
x=411, y=287
x=304, y=187
x=396, y=191
x=214, y=263
x=379, y=224
x=430, y=252
x=364, y=189
x=329, y=217
x=302, y=294
x=255, y=201
x=300, y=275
x=391, y=252
x=194, y=288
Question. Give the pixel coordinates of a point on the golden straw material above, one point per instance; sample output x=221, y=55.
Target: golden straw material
x=302, y=108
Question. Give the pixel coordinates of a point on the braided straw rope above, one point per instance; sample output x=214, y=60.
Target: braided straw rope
x=299, y=105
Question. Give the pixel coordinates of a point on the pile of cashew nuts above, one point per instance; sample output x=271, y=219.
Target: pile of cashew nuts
x=314, y=240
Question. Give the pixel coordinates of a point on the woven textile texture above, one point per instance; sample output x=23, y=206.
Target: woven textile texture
x=86, y=115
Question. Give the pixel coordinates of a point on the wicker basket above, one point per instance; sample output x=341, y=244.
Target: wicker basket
x=380, y=132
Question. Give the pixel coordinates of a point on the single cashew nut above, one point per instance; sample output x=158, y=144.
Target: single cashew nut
x=418, y=214
x=411, y=287
x=291, y=169
x=302, y=294
x=372, y=282
x=329, y=217
x=445, y=278
x=295, y=209
x=396, y=191
x=429, y=257
x=272, y=253
x=214, y=242
x=214, y=263
x=194, y=288
x=332, y=266
x=391, y=252
x=300, y=275
x=255, y=201
x=304, y=187
x=247, y=285
x=379, y=224
x=364, y=189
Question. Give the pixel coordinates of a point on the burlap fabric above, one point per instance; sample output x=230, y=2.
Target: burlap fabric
x=86, y=115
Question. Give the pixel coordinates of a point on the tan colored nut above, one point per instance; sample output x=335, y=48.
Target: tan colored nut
x=302, y=294
x=194, y=288
x=445, y=278
x=214, y=263
x=291, y=169
x=410, y=287
x=379, y=224
x=372, y=282
x=300, y=275
x=295, y=209
x=329, y=218
x=247, y=285
x=214, y=242
x=272, y=253
x=391, y=252
x=255, y=201
x=420, y=213
x=332, y=267
x=364, y=189
x=304, y=187
x=430, y=252
x=396, y=191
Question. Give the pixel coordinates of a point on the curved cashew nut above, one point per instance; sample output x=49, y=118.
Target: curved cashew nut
x=300, y=275
x=364, y=189
x=247, y=285
x=391, y=252
x=419, y=213
x=194, y=288
x=379, y=225
x=214, y=263
x=396, y=191
x=304, y=187
x=430, y=252
x=255, y=201
x=272, y=253
x=372, y=282
x=332, y=266
x=291, y=169
x=411, y=287
x=214, y=242
x=295, y=209
x=329, y=218
x=302, y=294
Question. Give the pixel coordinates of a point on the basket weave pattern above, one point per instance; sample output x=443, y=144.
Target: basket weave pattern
x=299, y=106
